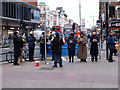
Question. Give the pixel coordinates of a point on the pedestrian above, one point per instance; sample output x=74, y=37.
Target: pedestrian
x=42, y=46
x=23, y=37
x=57, y=49
x=111, y=45
x=17, y=41
x=10, y=39
x=94, y=46
x=115, y=50
x=71, y=47
x=51, y=38
x=31, y=41
x=82, y=48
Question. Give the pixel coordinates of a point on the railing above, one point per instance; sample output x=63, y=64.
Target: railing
x=9, y=54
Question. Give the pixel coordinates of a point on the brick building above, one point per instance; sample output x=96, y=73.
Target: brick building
x=113, y=15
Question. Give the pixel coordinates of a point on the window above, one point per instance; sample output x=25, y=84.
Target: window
x=118, y=13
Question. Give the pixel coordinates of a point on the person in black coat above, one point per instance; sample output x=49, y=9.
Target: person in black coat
x=57, y=50
x=17, y=42
x=31, y=41
x=71, y=47
x=42, y=46
x=94, y=46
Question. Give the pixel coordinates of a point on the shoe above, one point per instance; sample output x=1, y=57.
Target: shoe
x=32, y=61
x=116, y=54
x=16, y=64
x=61, y=65
x=54, y=66
x=52, y=59
x=112, y=61
x=69, y=61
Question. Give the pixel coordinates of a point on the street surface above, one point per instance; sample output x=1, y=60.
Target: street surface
x=101, y=74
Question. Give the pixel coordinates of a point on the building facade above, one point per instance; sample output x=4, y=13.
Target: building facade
x=15, y=12
x=113, y=16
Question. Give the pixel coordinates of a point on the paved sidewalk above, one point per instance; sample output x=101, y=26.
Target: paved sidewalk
x=101, y=74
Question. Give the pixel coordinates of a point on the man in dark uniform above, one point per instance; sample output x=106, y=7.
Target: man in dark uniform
x=17, y=41
x=31, y=40
x=57, y=50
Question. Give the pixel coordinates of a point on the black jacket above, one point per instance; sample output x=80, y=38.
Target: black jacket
x=94, y=45
x=42, y=44
x=71, y=46
x=57, y=45
x=17, y=45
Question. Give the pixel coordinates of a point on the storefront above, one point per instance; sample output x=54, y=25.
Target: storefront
x=115, y=26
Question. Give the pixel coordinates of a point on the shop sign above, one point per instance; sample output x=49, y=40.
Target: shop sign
x=117, y=24
x=14, y=28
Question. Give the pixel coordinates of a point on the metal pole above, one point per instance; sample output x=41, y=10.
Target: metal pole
x=89, y=23
x=106, y=30
x=59, y=19
x=80, y=13
x=45, y=38
x=101, y=28
x=101, y=33
x=100, y=50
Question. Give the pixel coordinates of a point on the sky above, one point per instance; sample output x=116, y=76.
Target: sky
x=71, y=7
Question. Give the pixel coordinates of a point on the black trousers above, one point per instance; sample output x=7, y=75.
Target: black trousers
x=15, y=60
x=42, y=56
x=53, y=55
x=58, y=59
x=111, y=55
x=94, y=57
x=31, y=53
x=115, y=51
x=71, y=56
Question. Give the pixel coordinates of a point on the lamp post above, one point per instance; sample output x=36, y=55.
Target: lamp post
x=45, y=36
x=93, y=19
x=106, y=30
x=59, y=12
x=89, y=23
x=80, y=13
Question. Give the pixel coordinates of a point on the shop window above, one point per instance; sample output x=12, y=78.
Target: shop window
x=118, y=13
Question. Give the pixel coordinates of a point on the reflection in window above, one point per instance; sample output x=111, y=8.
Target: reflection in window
x=118, y=12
